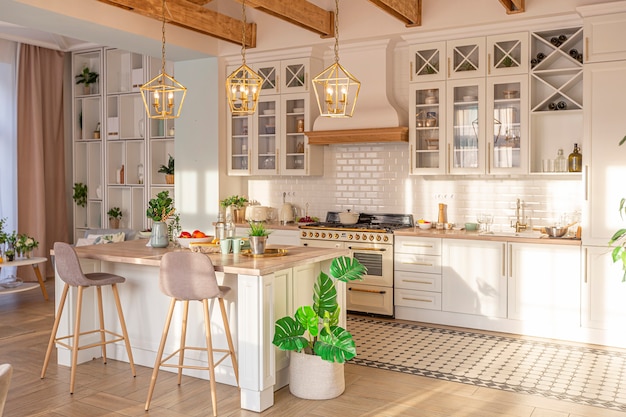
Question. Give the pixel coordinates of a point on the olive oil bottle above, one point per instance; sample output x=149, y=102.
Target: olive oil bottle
x=575, y=160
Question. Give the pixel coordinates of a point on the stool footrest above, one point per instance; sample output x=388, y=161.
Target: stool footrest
x=118, y=338
x=162, y=363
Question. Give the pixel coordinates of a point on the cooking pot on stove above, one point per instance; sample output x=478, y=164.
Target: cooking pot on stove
x=347, y=217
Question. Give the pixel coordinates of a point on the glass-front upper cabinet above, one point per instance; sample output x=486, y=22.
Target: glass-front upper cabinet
x=507, y=54
x=466, y=58
x=507, y=134
x=427, y=128
x=427, y=62
x=465, y=129
x=270, y=76
x=266, y=145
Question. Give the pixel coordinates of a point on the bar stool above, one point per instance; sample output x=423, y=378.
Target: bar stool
x=69, y=270
x=186, y=276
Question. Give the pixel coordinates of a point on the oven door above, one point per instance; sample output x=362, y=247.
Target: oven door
x=378, y=258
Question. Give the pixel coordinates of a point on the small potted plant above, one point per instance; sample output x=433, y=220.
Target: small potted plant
x=168, y=170
x=87, y=77
x=319, y=346
x=159, y=210
x=236, y=204
x=258, y=237
x=115, y=215
x=80, y=194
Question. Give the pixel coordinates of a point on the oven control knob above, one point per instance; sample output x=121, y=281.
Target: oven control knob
x=386, y=239
x=378, y=238
x=303, y=234
x=371, y=237
x=350, y=237
x=323, y=235
x=310, y=234
x=364, y=236
x=336, y=235
x=317, y=234
x=330, y=235
x=358, y=236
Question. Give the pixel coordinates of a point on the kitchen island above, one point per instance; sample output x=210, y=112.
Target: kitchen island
x=262, y=289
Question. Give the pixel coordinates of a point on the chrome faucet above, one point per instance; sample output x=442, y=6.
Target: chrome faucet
x=519, y=226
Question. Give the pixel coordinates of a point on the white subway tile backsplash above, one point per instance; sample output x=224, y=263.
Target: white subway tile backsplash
x=374, y=178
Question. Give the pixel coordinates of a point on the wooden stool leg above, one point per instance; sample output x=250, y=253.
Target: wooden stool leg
x=229, y=339
x=209, y=346
x=183, y=341
x=157, y=362
x=120, y=315
x=79, y=307
x=55, y=328
x=103, y=346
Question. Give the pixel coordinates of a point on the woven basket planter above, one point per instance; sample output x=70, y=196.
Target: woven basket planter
x=312, y=378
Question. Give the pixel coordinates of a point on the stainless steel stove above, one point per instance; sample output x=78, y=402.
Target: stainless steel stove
x=371, y=242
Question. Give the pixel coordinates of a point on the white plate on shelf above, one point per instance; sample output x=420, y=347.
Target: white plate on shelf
x=470, y=98
x=298, y=109
x=269, y=112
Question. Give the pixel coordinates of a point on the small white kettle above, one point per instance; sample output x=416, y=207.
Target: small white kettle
x=286, y=213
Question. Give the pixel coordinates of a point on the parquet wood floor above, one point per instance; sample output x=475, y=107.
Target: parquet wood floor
x=110, y=390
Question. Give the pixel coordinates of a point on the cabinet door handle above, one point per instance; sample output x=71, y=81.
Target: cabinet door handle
x=449, y=168
x=421, y=300
x=417, y=245
x=449, y=63
x=510, y=262
x=410, y=159
x=306, y=81
x=416, y=282
x=586, y=268
x=488, y=64
x=411, y=71
x=372, y=291
x=503, y=259
x=417, y=263
x=277, y=83
x=586, y=182
x=586, y=54
x=489, y=158
x=277, y=160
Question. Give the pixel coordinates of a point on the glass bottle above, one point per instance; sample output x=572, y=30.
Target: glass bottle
x=560, y=163
x=229, y=226
x=575, y=160
x=220, y=227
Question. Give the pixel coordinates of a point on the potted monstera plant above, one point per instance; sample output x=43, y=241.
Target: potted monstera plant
x=319, y=346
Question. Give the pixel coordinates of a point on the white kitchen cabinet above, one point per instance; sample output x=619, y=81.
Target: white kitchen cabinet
x=427, y=124
x=604, y=37
x=266, y=130
x=465, y=128
x=297, y=157
x=544, y=284
x=556, y=94
x=427, y=62
x=603, y=158
x=474, y=277
x=417, y=272
x=507, y=54
x=603, y=292
x=466, y=58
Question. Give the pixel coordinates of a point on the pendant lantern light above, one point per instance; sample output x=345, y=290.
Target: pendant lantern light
x=243, y=86
x=336, y=89
x=163, y=96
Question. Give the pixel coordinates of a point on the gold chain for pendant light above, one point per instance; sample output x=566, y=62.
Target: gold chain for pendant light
x=163, y=37
x=336, y=31
x=243, y=32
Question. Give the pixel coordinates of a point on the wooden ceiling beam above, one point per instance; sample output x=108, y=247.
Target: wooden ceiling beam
x=300, y=13
x=191, y=16
x=200, y=2
x=514, y=6
x=408, y=11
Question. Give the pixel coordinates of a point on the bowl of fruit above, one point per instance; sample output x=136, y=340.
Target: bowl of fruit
x=424, y=224
x=185, y=238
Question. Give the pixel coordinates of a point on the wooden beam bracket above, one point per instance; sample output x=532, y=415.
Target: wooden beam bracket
x=514, y=6
x=408, y=11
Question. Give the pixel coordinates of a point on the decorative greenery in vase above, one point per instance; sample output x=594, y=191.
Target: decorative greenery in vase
x=161, y=207
x=114, y=213
x=168, y=170
x=234, y=200
x=87, y=77
x=80, y=194
x=258, y=229
x=325, y=338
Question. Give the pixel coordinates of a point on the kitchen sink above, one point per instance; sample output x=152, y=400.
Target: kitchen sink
x=530, y=234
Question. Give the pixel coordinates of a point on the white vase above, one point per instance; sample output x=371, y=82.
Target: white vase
x=312, y=378
x=159, y=235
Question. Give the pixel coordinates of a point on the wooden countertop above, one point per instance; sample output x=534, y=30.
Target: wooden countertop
x=136, y=252
x=462, y=234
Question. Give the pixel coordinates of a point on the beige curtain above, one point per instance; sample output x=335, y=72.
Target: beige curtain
x=40, y=150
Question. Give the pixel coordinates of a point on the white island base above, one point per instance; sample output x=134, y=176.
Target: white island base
x=261, y=291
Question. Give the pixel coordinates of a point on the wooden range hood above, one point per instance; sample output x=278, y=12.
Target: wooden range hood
x=378, y=134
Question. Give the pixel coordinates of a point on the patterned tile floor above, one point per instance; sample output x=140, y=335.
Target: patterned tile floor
x=571, y=373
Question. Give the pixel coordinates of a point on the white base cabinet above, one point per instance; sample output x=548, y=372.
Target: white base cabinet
x=474, y=277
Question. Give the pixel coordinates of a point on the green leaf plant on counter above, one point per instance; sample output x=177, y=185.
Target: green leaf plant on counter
x=325, y=338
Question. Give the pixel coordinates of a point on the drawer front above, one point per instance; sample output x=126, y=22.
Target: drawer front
x=418, y=299
x=417, y=263
x=417, y=245
x=369, y=299
x=417, y=281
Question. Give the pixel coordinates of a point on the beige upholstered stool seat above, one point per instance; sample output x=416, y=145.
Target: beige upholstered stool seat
x=68, y=269
x=190, y=276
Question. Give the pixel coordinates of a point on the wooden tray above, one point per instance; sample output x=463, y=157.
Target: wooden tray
x=268, y=253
